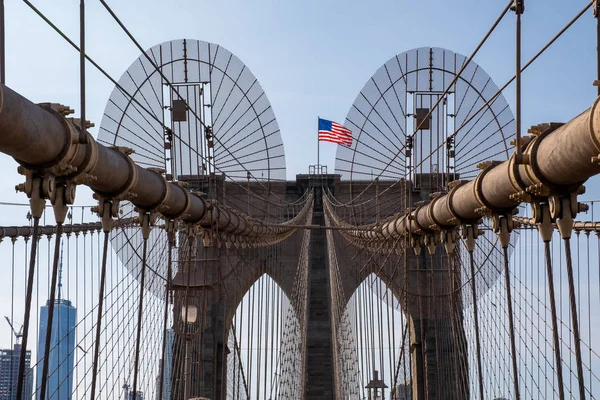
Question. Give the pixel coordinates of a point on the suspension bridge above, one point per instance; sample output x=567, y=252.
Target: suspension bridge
x=449, y=255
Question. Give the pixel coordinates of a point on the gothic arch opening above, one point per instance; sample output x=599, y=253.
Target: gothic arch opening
x=372, y=341
x=263, y=343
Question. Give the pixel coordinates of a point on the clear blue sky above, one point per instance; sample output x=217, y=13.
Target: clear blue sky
x=311, y=57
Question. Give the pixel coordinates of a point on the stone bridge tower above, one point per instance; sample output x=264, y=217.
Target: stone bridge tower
x=211, y=281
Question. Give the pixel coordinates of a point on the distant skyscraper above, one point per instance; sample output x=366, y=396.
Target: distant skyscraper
x=168, y=369
x=62, y=348
x=9, y=373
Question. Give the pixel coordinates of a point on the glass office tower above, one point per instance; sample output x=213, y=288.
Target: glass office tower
x=62, y=350
x=9, y=373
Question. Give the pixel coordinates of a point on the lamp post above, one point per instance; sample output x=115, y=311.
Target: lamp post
x=374, y=386
x=191, y=291
x=189, y=314
x=188, y=329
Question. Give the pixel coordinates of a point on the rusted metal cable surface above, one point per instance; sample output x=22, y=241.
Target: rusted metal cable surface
x=42, y=140
x=559, y=159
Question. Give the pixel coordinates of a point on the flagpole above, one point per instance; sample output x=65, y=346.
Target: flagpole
x=318, y=147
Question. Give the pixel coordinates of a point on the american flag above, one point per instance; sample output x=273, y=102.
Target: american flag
x=330, y=131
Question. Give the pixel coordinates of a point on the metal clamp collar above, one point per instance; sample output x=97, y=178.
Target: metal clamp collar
x=450, y=202
x=535, y=169
x=179, y=215
x=68, y=142
x=514, y=176
x=89, y=162
x=478, y=191
x=416, y=219
x=439, y=224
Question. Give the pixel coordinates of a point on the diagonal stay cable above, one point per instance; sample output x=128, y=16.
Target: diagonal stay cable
x=495, y=96
x=114, y=81
x=533, y=59
x=128, y=33
x=511, y=80
x=454, y=80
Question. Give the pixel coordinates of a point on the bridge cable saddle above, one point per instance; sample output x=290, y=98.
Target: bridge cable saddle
x=469, y=233
x=417, y=243
x=431, y=241
x=564, y=208
x=448, y=238
x=64, y=195
x=107, y=209
x=503, y=224
x=171, y=229
x=40, y=186
x=147, y=219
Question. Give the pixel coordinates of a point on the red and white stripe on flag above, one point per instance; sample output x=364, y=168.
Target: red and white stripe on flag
x=333, y=132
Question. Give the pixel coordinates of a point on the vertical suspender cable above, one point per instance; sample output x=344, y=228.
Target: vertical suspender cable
x=2, y=45
x=558, y=359
x=476, y=321
x=401, y=357
x=391, y=331
x=250, y=335
x=241, y=330
x=371, y=293
x=221, y=390
x=423, y=329
x=99, y=318
x=236, y=368
x=76, y=286
x=192, y=254
x=12, y=307
x=574, y=318
x=266, y=359
x=511, y=324
x=379, y=327
x=260, y=337
x=434, y=314
x=51, y=301
x=144, y=221
x=589, y=301
x=273, y=326
x=171, y=239
x=518, y=8
x=454, y=324
x=596, y=14
x=82, y=131
x=278, y=335
x=31, y=275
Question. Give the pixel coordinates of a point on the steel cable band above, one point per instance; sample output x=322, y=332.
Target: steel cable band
x=68, y=129
x=515, y=178
x=534, y=172
x=165, y=192
x=430, y=212
x=478, y=191
x=89, y=161
x=414, y=218
x=132, y=180
x=450, y=202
